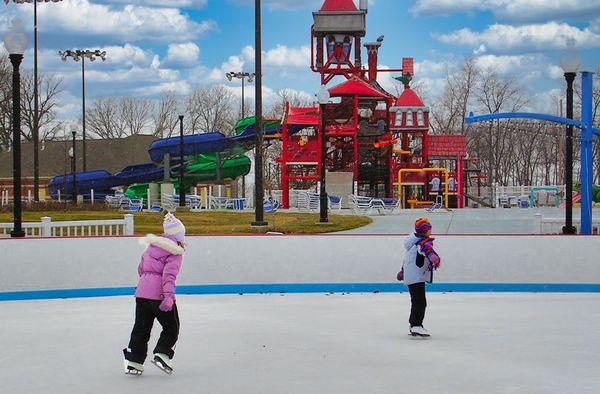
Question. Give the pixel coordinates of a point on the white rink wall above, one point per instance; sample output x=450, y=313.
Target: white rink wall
x=76, y=263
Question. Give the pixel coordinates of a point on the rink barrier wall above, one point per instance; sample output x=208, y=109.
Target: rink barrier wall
x=93, y=267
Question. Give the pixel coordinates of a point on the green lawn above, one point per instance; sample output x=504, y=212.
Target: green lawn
x=215, y=222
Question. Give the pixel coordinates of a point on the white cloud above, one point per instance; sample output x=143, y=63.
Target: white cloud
x=195, y=4
x=513, y=10
x=511, y=64
x=526, y=38
x=554, y=72
x=183, y=55
x=283, y=56
x=285, y=5
x=120, y=24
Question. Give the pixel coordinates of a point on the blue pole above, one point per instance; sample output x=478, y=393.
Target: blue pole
x=586, y=153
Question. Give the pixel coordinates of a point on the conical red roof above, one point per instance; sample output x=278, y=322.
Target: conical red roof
x=358, y=87
x=409, y=98
x=339, y=5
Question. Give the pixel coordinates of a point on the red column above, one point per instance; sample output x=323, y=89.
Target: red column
x=285, y=180
x=355, y=138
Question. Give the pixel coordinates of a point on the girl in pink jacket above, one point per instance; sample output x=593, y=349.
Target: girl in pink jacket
x=155, y=298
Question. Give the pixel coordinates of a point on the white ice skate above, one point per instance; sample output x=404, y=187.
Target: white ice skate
x=163, y=362
x=419, y=332
x=132, y=368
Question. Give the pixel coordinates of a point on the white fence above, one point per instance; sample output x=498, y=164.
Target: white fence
x=83, y=228
x=545, y=225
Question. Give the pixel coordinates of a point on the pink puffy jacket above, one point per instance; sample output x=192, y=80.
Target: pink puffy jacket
x=159, y=267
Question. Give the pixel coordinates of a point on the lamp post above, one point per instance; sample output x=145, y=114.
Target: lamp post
x=570, y=63
x=73, y=156
x=181, y=166
x=77, y=55
x=242, y=75
x=15, y=42
x=259, y=192
x=35, y=131
x=323, y=98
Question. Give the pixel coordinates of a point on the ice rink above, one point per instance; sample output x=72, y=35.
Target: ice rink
x=312, y=343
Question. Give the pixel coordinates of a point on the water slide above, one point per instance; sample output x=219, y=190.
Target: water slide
x=202, y=152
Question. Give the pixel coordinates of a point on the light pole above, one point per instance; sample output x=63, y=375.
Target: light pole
x=570, y=63
x=323, y=98
x=181, y=169
x=77, y=55
x=259, y=192
x=35, y=131
x=73, y=156
x=15, y=42
x=242, y=75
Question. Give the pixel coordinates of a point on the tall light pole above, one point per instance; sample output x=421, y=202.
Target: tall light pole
x=181, y=166
x=73, y=156
x=15, y=42
x=570, y=63
x=323, y=98
x=77, y=55
x=36, y=127
x=242, y=75
x=259, y=191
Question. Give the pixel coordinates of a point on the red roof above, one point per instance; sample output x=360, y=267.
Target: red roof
x=358, y=87
x=447, y=145
x=302, y=116
x=339, y=5
x=409, y=98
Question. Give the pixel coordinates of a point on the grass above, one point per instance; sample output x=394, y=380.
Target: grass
x=215, y=222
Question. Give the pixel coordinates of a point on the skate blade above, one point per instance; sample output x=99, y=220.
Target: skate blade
x=162, y=366
x=414, y=335
x=133, y=371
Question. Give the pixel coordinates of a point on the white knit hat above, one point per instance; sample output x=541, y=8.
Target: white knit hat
x=173, y=227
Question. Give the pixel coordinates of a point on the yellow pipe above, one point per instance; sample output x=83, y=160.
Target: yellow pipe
x=411, y=170
x=401, y=152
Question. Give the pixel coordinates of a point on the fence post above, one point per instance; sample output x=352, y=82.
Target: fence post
x=537, y=223
x=59, y=195
x=128, y=228
x=46, y=226
x=92, y=196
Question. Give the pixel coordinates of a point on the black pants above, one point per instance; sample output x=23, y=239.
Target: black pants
x=145, y=313
x=418, y=304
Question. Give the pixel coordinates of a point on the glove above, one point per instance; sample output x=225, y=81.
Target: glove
x=400, y=275
x=167, y=303
x=435, y=260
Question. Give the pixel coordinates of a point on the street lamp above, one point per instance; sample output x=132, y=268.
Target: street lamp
x=259, y=191
x=570, y=62
x=78, y=55
x=73, y=156
x=15, y=42
x=35, y=133
x=323, y=98
x=242, y=75
x=181, y=166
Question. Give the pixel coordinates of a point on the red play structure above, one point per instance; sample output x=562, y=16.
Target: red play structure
x=371, y=135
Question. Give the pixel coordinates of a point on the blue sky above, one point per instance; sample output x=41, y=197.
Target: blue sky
x=175, y=45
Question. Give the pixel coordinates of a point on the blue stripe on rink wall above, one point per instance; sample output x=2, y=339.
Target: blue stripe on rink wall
x=311, y=288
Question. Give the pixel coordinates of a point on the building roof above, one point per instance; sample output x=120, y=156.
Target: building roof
x=409, y=98
x=447, y=145
x=111, y=155
x=357, y=86
x=339, y=5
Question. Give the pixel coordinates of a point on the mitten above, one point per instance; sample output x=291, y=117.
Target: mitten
x=435, y=260
x=400, y=275
x=167, y=303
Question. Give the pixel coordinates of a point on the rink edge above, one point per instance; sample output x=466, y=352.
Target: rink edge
x=309, y=288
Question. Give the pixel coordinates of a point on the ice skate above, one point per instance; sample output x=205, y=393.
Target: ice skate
x=133, y=368
x=163, y=362
x=418, y=332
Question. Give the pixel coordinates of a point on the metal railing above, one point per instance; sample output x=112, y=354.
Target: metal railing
x=545, y=225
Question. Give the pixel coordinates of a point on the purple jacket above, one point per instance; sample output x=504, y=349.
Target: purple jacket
x=159, y=267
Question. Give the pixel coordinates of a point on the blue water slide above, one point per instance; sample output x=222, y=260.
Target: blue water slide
x=140, y=173
x=192, y=145
x=100, y=181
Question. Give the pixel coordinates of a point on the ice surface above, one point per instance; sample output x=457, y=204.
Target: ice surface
x=314, y=343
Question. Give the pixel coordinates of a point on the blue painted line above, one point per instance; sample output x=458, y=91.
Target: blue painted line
x=311, y=288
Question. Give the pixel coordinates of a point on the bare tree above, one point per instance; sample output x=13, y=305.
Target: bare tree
x=5, y=103
x=49, y=88
x=166, y=116
x=135, y=115
x=210, y=109
x=104, y=119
